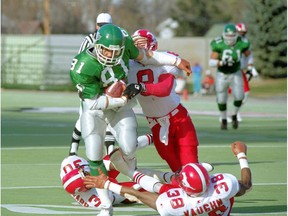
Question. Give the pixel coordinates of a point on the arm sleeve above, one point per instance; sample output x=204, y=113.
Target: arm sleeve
x=104, y=102
x=166, y=187
x=162, y=88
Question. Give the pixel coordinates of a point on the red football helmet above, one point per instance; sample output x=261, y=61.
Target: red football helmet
x=193, y=179
x=145, y=39
x=241, y=27
x=73, y=181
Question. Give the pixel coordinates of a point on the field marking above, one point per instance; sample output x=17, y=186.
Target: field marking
x=139, y=111
x=47, y=187
x=43, y=209
x=201, y=146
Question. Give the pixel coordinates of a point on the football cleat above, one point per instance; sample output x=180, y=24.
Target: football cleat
x=224, y=124
x=234, y=122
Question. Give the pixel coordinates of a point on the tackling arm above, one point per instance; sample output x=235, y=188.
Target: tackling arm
x=104, y=102
x=213, y=61
x=160, y=89
x=148, y=57
x=239, y=149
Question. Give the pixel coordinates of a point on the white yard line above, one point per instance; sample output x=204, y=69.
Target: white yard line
x=48, y=187
x=201, y=146
x=53, y=210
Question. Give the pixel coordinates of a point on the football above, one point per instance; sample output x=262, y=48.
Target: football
x=116, y=89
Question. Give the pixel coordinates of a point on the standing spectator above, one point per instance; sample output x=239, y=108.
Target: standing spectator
x=102, y=19
x=173, y=131
x=197, y=74
x=192, y=192
x=97, y=68
x=208, y=83
x=226, y=56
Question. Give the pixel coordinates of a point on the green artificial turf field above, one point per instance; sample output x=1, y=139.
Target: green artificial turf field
x=35, y=141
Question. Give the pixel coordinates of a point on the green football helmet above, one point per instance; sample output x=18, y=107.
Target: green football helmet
x=109, y=38
x=230, y=34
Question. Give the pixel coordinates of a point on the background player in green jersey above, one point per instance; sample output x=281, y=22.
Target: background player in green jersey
x=226, y=56
x=91, y=72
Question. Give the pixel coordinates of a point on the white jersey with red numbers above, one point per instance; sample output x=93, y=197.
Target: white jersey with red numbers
x=139, y=73
x=171, y=126
x=216, y=201
x=90, y=197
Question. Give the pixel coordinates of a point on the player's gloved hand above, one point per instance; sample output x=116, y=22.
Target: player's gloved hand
x=251, y=72
x=133, y=89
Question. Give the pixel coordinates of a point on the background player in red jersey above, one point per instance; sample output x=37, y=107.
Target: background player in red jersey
x=248, y=72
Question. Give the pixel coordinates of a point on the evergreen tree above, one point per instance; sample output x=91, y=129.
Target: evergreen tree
x=267, y=30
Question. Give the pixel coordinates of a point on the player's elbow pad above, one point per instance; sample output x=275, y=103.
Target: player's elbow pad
x=105, y=102
x=213, y=62
x=159, y=58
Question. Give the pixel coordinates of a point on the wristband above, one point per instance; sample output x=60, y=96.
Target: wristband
x=214, y=62
x=241, y=155
x=178, y=61
x=115, y=188
x=243, y=163
x=143, y=87
x=249, y=68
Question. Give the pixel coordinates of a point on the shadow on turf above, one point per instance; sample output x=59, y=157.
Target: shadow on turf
x=260, y=209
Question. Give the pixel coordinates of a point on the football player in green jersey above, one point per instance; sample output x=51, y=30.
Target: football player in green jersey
x=226, y=56
x=91, y=72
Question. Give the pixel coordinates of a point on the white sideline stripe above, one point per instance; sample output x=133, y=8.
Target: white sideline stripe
x=201, y=146
x=47, y=187
x=138, y=110
x=44, y=209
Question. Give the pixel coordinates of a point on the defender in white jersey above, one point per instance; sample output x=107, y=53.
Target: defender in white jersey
x=192, y=191
x=174, y=134
x=72, y=171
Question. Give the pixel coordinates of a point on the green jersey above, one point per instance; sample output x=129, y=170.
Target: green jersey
x=91, y=77
x=230, y=53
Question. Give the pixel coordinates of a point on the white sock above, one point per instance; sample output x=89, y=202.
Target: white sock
x=145, y=140
x=146, y=182
x=162, y=176
x=106, y=201
x=223, y=114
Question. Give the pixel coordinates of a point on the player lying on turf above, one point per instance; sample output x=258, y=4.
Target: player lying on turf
x=74, y=168
x=192, y=191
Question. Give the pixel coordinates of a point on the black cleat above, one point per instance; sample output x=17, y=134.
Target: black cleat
x=72, y=153
x=224, y=124
x=234, y=121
